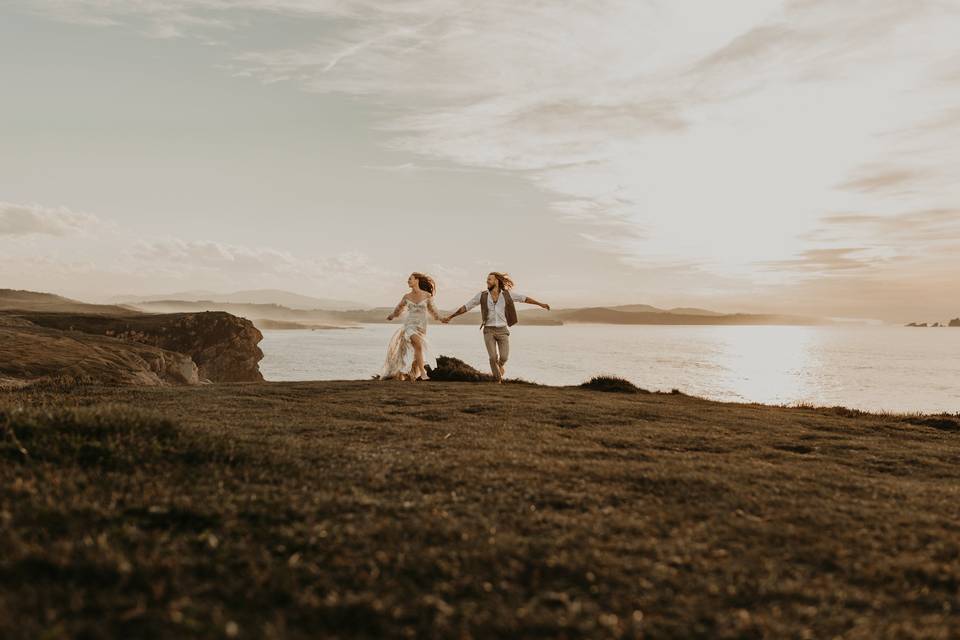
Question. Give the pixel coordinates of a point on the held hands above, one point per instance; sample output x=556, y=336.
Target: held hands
x=445, y=320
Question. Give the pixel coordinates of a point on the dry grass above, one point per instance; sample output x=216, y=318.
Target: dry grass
x=365, y=509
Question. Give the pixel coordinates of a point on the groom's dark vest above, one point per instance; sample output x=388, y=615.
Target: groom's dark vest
x=511, y=311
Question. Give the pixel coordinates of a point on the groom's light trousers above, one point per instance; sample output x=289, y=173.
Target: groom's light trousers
x=497, y=340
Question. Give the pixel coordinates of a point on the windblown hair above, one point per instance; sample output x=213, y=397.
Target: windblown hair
x=503, y=279
x=426, y=282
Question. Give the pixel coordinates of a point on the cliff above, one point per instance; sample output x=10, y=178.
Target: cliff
x=45, y=337
x=30, y=353
x=224, y=347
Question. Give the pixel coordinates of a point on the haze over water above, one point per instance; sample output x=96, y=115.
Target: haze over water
x=871, y=368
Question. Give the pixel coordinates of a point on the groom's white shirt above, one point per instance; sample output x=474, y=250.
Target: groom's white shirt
x=497, y=311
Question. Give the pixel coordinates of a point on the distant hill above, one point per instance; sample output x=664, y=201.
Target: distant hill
x=604, y=315
x=253, y=296
x=274, y=312
x=528, y=315
x=693, y=311
x=278, y=313
x=636, y=308
x=681, y=311
x=16, y=300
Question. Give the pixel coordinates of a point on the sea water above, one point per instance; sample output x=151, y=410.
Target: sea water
x=873, y=368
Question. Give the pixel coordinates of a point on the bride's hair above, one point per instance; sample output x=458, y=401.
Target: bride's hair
x=426, y=282
x=503, y=279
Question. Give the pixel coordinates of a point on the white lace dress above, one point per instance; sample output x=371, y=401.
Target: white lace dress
x=400, y=350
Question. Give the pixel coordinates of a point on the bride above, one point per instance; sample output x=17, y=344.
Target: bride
x=408, y=349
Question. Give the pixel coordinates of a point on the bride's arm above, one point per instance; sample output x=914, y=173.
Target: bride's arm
x=398, y=308
x=433, y=310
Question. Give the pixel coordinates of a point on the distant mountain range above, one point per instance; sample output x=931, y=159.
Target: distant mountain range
x=252, y=296
x=646, y=308
x=275, y=315
x=615, y=315
x=623, y=314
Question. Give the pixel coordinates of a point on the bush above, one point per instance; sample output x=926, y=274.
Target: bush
x=612, y=384
x=942, y=422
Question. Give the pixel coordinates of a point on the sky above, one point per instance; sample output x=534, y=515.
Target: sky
x=793, y=156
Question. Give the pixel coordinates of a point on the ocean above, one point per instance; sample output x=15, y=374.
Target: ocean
x=895, y=369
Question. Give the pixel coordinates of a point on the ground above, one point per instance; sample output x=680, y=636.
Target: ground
x=389, y=509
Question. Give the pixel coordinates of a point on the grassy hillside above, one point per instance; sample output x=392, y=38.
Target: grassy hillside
x=19, y=300
x=363, y=509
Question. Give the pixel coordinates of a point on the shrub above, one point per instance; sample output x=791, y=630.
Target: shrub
x=941, y=422
x=612, y=384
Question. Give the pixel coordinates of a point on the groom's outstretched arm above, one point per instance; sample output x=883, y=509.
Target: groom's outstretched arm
x=542, y=305
x=474, y=301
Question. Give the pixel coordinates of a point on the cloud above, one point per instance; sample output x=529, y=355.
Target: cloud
x=172, y=18
x=881, y=180
x=720, y=146
x=924, y=229
x=84, y=255
x=693, y=139
x=178, y=256
x=34, y=219
x=411, y=168
x=826, y=260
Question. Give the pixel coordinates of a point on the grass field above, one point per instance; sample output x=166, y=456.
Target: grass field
x=365, y=509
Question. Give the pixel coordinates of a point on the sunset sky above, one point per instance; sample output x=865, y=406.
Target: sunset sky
x=757, y=155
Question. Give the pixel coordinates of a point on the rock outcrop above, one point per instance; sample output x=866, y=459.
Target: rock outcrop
x=223, y=347
x=955, y=322
x=455, y=370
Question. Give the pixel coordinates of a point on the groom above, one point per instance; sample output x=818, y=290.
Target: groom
x=499, y=314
